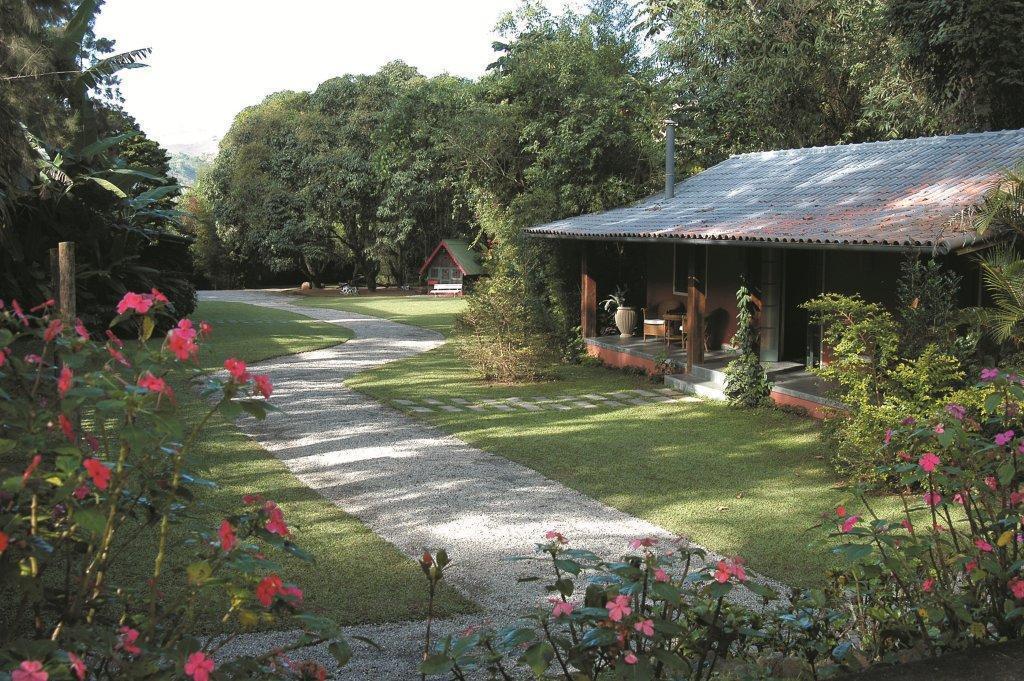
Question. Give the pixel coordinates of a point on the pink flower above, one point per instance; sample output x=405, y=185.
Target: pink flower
x=237, y=369
x=83, y=333
x=292, y=592
x=1016, y=587
x=1004, y=438
x=181, y=340
x=33, y=358
x=989, y=374
x=906, y=525
x=227, y=536
x=16, y=306
x=43, y=305
x=80, y=492
x=645, y=542
x=157, y=297
x=53, y=330
x=849, y=523
x=126, y=641
x=275, y=519
x=660, y=575
x=841, y=511
x=983, y=545
x=939, y=429
x=30, y=670
x=137, y=302
x=991, y=483
x=67, y=377
x=561, y=609
x=956, y=411
x=198, y=666
x=118, y=357
x=932, y=498
x=268, y=589
x=645, y=627
x=551, y=535
x=722, y=572
x=618, y=608
x=928, y=585
x=155, y=384
x=99, y=473
x=630, y=657
x=1016, y=498
x=205, y=329
x=118, y=343
x=77, y=666
x=929, y=462
x=264, y=385
x=888, y=436
x=971, y=566
x=4, y=354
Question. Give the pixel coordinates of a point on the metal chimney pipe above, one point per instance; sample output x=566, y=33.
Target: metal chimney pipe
x=670, y=159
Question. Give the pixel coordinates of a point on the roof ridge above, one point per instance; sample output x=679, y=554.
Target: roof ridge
x=858, y=145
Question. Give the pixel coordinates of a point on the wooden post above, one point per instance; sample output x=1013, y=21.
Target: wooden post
x=66, y=267
x=694, y=316
x=588, y=298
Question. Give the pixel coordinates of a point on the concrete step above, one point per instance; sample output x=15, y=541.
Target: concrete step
x=694, y=385
x=773, y=369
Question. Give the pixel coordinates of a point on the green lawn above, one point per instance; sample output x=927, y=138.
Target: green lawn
x=740, y=482
x=431, y=312
x=358, y=577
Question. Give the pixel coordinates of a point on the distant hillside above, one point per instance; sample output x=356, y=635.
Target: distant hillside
x=188, y=159
x=185, y=167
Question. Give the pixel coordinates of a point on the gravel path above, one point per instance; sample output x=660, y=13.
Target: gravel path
x=413, y=485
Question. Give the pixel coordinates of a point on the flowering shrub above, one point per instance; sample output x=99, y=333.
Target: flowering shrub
x=93, y=453
x=652, y=614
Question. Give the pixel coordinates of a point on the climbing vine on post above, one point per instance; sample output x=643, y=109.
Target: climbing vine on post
x=746, y=383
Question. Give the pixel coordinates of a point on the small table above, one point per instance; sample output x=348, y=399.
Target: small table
x=678, y=320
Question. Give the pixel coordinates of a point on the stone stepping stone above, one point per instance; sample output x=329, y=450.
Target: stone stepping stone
x=561, y=407
x=476, y=407
x=644, y=393
x=585, y=405
x=529, y=406
x=513, y=399
x=450, y=408
x=541, y=400
x=433, y=402
x=612, y=403
x=459, y=400
x=421, y=410
x=502, y=407
x=405, y=403
x=666, y=391
x=596, y=398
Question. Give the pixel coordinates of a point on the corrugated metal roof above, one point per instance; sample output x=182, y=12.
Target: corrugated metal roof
x=903, y=193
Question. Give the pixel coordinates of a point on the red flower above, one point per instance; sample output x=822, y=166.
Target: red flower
x=114, y=339
x=65, y=425
x=126, y=641
x=556, y=536
x=116, y=354
x=841, y=511
x=4, y=541
x=237, y=369
x=18, y=312
x=292, y=592
x=99, y=473
x=199, y=665
x=645, y=542
x=1016, y=587
x=983, y=545
x=83, y=333
x=53, y=330
x=618, y=608
x=264, y=385
x=157, y=296
x=205, y=329
x=67, y=377
x=227, y=536
x=43, y=305
x=275, y=519
x=137, y=302
x=928, y=585
x=31, y=468
x=849, y=523
x=268, y=588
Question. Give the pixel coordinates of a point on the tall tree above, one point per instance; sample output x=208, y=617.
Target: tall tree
x=751, y=76
x=971, y=53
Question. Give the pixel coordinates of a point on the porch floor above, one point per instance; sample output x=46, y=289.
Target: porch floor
x=788, y=378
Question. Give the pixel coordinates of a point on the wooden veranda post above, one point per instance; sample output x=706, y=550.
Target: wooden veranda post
x=588, y=298
x=694, y=316
x=66, y=291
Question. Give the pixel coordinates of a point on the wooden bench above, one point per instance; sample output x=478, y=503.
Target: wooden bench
x=446, y=290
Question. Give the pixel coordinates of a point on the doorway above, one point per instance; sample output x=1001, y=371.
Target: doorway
x=802, y=281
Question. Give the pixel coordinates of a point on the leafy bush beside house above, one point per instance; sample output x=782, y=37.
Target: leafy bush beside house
x=746, y=382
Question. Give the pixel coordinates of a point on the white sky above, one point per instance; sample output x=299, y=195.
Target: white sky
x=211, y=58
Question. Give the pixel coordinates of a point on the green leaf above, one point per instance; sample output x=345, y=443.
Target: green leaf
x=436, y=664
x=341, y=651
x=109, y=186
x=91, y=521
x=538, y=657
x=596, y=638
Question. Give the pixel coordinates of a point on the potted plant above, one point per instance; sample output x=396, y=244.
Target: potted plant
x=625, y=315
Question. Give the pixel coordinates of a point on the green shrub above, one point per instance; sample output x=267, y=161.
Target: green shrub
x=877, y=384
x=499, y=334
x=746, y=383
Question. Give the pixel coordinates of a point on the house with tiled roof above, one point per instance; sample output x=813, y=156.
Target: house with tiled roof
x=793, y=224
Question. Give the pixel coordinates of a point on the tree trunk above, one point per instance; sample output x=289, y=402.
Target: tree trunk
x=314, y=275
